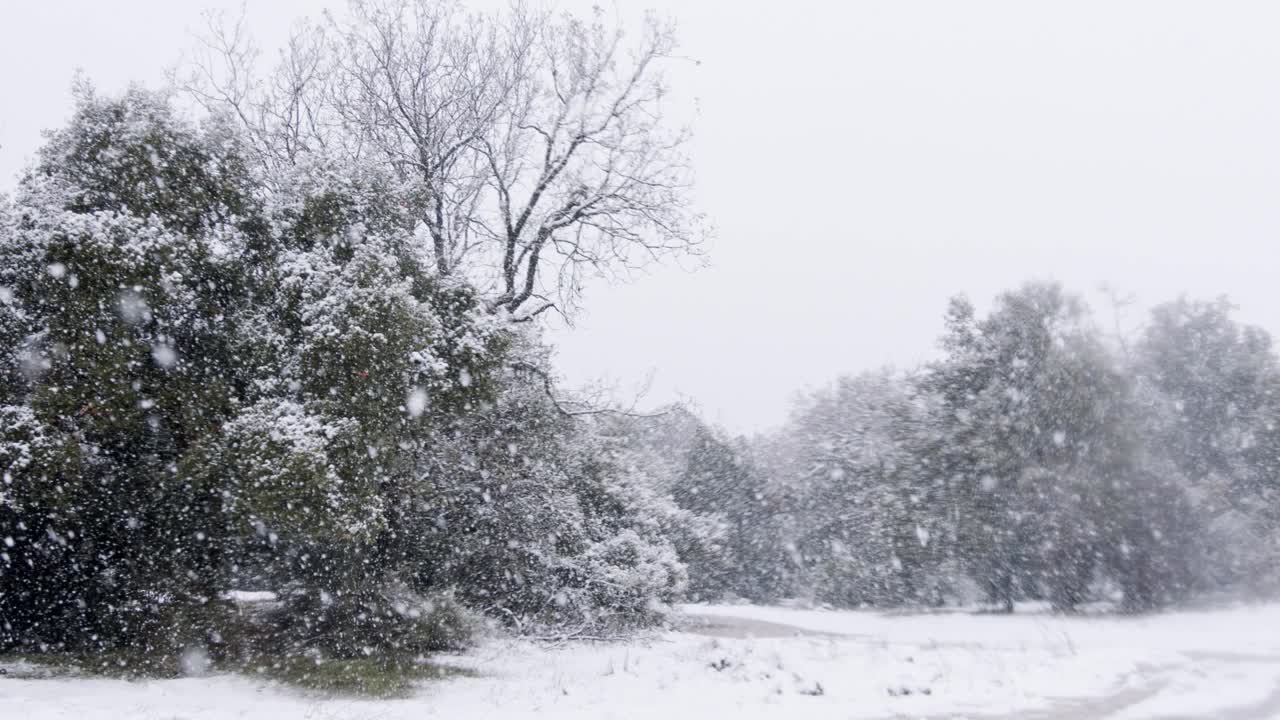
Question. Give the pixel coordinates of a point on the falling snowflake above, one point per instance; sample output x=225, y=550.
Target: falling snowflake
x=164, y=355
x=922, y=534
x=417, y=402
x=133, y=308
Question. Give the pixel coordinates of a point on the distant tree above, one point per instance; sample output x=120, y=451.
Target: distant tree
x=866, y=529
x=719, y=481
x=1036, y=421
x=1213, y=406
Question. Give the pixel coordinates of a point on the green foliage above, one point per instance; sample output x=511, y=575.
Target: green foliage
x=120, y=294
x=136, y=155
x=374, y=676
x=537, y=520
x=195, y=398
x=719, y=481
x=262, y=644
x=378, y=621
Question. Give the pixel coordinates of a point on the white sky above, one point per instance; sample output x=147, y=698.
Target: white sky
x=863, y=161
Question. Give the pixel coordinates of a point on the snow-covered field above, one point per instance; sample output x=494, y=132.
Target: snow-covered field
x=750, y=662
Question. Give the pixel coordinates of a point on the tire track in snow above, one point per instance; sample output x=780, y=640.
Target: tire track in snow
x=1115, y=704
x=1094, y=708
x=1156, y=678
x=728, y=626
x=1266, y=709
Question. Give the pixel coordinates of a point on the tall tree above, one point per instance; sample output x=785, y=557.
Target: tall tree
x=534, y=145
x=1214, y=405
x=124, y=262
x=1032, y=410
x=719, y=480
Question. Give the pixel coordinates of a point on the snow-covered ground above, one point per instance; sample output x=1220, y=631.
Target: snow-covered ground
x=750, y=662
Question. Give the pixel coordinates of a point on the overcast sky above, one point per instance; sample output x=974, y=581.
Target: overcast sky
x=863, y=161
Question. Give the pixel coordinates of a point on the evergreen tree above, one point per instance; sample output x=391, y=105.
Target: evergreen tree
x=720, y=481
x=124, y=261
x=1039, y=419
x=212, y=382
x=1212, y=402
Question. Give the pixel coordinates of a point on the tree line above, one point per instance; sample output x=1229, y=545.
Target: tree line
x=1038, y=459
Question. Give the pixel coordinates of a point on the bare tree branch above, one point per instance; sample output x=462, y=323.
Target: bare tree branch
x=535, y=142
x=575, y=408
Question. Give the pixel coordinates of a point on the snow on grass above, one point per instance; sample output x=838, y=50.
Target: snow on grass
x=1225, y=630
x=841, y=665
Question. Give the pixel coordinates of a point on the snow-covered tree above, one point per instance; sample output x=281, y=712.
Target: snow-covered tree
x=123, y=262
x=1044, y=448
x=213, y=382
x=720, y=481
x=866, y=526
x=1213, y=398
